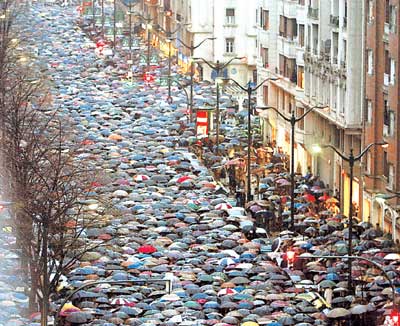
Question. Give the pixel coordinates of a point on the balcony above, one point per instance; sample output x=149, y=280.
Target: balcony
x=264, y=37
x=334, y=21
x=287, y=47
x=290, y=9
x=313, y=13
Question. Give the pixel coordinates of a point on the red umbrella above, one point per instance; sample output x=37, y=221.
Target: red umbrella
x=183, y=178
x=147, y=249
x=310, y=198
x=324, y=197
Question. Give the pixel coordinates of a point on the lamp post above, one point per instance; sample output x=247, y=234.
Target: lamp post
x=292, y=120
x=218, y=67
x=180, y=86
x=169, y=40
x=193, y=47
x=351, y=159
x=349, y=257
x=249, y=90
x=148, y=20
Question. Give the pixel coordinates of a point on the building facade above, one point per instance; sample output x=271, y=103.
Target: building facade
x=318, y=56
x=381, y=113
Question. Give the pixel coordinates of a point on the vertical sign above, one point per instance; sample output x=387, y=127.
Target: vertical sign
x=202, y=123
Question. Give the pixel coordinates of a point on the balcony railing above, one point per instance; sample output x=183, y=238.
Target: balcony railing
x=334, y=21
x=313, y=12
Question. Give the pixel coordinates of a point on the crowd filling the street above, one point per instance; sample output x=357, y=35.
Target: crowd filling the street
x=181, y=242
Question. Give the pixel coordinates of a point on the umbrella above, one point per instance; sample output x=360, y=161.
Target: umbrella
x=147, y=249
x=338, y=313
x=141, y=177
x=223, y=206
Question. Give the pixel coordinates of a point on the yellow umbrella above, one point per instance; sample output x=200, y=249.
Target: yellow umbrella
x=250, y=323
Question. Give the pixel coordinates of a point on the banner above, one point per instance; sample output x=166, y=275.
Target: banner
x=202, y=123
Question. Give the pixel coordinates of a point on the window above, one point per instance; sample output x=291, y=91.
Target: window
x=265, y=94
x=288, y=27
x=370, y=10
x=288, y=68
x=385, y=164
x=368, y=112
x=229, y=45
x=368, y=163
x=390, y=184
x=387, y=11
x=302, y=2
x=300, y=77
x=264, y=19
x=264, y=57
x=301, y=35
x=370, y=62
x=387, y=68
x=230, y=16
x=392, y=19
x=392, y=75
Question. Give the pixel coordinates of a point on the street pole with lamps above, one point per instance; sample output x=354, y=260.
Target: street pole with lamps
x=181, y=86
x=193, y=47
x=351, y=159
x=249, y=90
x=218, y=67
x=169, y=40
x=292, y=120
x=148, y=20
x=379, y=266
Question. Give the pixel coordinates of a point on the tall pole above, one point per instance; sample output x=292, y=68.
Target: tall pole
x=114, y=22
x=102, y=18
x=130, y=33
x=350, y=249
x=249, y=196
x=217, y=111
x=351, y=159
x=292, y=181
x=93, y=14
x=148, y=44
x=193, y=47
x=191, y=80
x=169, y=67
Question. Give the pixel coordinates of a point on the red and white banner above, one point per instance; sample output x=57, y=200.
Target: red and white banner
x=202, y=123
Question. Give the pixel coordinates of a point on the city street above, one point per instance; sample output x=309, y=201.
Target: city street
x=174, y=248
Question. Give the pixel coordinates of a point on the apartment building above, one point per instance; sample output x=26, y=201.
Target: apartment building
x=230, y=22
x=317, y=55
x=381, y=113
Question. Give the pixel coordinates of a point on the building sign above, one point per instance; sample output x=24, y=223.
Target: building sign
x=202, y=123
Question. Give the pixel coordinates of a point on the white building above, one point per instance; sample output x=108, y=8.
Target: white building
x=318, y=57
x=230, y=22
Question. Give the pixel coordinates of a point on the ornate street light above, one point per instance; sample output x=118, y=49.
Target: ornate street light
x=351, y=159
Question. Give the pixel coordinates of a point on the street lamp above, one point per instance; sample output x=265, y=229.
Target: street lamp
x=293, y=120
x=249, y=90
x=181, y=86
x=169, y=40
x=395, y=313
x=351, y=159
x=148, y=20
x=192, y=47
x=218, y=67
